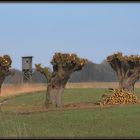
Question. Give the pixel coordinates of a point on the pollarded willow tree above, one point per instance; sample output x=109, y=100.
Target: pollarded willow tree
x=5, y=64
x=64, y=64
x=127, y=69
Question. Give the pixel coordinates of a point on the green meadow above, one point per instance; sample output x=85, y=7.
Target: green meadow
x=114, y=121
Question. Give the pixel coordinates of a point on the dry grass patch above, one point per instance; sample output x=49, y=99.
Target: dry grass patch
x=10, y=89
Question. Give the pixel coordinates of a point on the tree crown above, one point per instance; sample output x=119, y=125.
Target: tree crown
x=124, y=58
x=67, y=60
x=5, y=61
x=5, y=64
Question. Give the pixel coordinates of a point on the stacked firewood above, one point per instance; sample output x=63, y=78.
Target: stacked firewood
x=118, y=96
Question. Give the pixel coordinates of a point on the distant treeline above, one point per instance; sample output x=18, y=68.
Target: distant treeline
x=91, y=72
x=95, y=72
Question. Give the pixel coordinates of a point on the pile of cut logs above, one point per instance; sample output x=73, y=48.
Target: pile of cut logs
x=118, y=96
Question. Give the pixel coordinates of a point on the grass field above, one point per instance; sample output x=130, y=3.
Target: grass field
x=117, y=121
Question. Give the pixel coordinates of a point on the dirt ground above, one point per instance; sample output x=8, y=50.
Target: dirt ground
x=72, y=106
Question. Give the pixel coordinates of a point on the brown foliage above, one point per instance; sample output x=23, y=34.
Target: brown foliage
x=5, y=64
x=68, y=61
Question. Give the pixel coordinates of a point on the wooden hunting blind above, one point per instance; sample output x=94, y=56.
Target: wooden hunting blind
x=27, y=69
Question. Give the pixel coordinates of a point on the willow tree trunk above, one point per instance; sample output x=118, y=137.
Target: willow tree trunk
x=55, y=89
x=127, y=69
x=127, y=84
x=54, y=96
x=63, y=66
x=2, y=77
x=128, y=79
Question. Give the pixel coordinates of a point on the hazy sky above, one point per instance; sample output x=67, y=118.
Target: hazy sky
x=91, y=30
